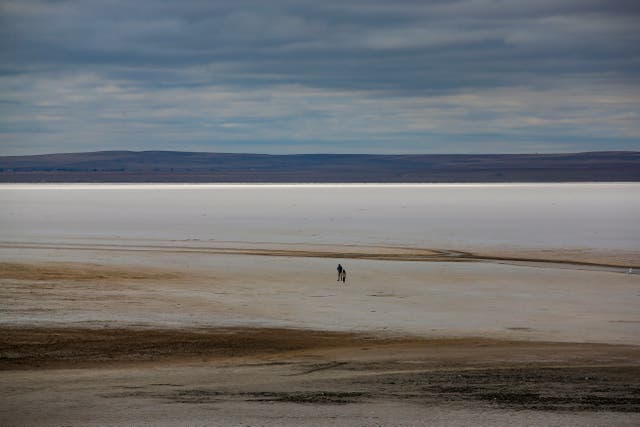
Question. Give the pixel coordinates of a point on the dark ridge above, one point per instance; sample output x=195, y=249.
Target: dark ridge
x=176, y=166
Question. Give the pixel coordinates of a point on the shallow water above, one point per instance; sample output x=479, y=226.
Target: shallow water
x=592, y=216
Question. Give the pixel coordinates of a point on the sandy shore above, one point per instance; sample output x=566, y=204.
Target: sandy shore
x=260, y=334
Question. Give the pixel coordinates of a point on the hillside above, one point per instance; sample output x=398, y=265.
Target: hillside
x=172, y=166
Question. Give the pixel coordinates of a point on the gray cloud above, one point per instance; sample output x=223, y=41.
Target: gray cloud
x=417, y=76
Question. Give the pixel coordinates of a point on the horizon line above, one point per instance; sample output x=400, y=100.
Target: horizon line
x=325, y=153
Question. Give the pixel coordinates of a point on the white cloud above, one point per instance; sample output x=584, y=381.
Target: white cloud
x=100, y=112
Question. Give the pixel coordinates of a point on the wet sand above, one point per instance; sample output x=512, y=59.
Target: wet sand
x=262, y=334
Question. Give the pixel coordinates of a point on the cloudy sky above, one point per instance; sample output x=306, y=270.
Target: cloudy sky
x=298, y=76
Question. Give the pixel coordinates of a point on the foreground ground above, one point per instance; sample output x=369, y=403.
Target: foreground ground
x=229, y=336
x=293, y=377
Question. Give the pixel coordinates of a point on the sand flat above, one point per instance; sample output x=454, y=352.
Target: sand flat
x=262, y=334
x=433, y=297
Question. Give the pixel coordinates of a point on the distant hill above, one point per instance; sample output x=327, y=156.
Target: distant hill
x=175, y=166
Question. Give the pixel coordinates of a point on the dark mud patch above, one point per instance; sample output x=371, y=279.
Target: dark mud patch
x=614, y=389
x=311, y=397
x=321, y=367
x=196, y=396
x=201, y=396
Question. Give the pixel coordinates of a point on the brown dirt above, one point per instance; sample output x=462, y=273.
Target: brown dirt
x=28, y=348
x=81, y=272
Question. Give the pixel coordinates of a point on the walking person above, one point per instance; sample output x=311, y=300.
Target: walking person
x=344, y=276
x=339, y=273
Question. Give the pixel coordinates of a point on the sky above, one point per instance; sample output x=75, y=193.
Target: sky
x=331, y=76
